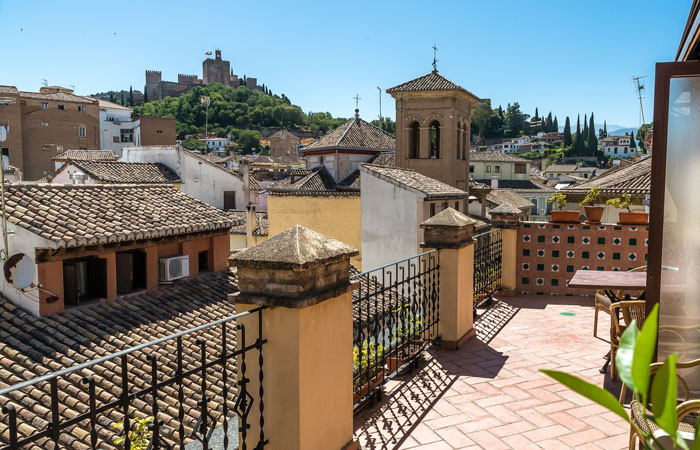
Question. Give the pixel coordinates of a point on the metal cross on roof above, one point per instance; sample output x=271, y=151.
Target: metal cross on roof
x=435, y=49
x=357, y=101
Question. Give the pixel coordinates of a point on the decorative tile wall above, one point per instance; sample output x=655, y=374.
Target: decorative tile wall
x=549, y=254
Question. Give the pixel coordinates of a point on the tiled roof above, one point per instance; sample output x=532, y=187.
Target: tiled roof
x=254, y=185
x=86, y=155
x=240, y=216
x=433, y=81
x=508, y=197
x=352, y=180
x=124, y=172
x=283, y=134
x=8, y=89
x=111, y=105
x=631, y=179
x=310, y=180
x=58, y=97
x=414, y=180
x=513, y=184
x=494, y=156
x=561, y=168
x=387, y=159
x=276, y=160
x=354, y=134
x=72, y=215
x=35, y=346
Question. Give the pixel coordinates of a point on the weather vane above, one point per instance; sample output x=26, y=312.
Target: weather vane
x=435, y=60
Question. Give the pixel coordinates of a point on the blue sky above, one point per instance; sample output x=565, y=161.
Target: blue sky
x=564, y=56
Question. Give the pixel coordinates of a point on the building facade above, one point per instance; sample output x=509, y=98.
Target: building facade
x=617, y=146
x=43, y=124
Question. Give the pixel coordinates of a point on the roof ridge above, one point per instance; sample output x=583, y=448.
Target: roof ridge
x=351, y=123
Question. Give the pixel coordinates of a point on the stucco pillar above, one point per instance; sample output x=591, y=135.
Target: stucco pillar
x=151, y=267
x=111, y=274
x=219, y=253
x=51, y=298
x=424, y=143
x=188, y=248
x=507, y=218
x=451, y=232
x=304, y=279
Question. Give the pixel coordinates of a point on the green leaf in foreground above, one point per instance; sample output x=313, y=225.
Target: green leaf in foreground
x=624, y=357
x=644, y=352
x=696, y=442
x=664, y=390
x=590, y=391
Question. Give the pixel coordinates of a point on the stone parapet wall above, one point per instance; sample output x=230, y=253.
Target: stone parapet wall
x=549, y=254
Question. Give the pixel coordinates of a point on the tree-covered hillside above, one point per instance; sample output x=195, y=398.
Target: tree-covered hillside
x=234, y=109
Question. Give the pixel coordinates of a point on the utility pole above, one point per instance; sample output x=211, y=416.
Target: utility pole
x=380, y=103
x=639, y=87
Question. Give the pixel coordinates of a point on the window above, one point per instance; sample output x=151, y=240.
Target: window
x=45, y=148
x=519, y=168
x=44, y=124
x=432, y=209
x=81, y=108
x=131, y=271
x=83, y=279
x=203, y=259
x=115, y=139
x=457, y=206
x=6, y=152
x=625, y=150
x=229, y=199
x=465, y=142
x=497, y=169
x=126, y=135
x=435, y=140
x=413, y=141
x=44, y=106
x=82, y=132
x=488, y=168
x=471, y=169
x=616, y=150
x=61, y=107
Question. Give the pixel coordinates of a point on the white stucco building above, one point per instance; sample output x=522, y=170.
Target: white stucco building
x=117, y=129
x=617, y=146
x=394, y=204
x=200, y=178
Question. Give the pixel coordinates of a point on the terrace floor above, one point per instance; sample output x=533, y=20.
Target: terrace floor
x=489, y=394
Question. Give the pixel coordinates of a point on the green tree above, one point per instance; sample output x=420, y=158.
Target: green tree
x=247, y=141
x=194, y=144
x=111, y=96
x=481, y=115
x=642, y=135
x=605, y=128
x=567, y=132
x=537, y=115
x=131, y=96
x=577, y=145
x=592, y=141
x=145, y=95
x=122, y=103
x=386, y=124
x=515, y=121
x=633, y=144
x=584, y=135
x=555, y=126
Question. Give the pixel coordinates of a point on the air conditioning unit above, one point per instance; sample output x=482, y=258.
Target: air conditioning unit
x=173, y=268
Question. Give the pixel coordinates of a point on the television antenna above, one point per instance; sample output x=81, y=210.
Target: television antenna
x=380, y=102
x=44, y=82
x=639, y=87
x=3, y=135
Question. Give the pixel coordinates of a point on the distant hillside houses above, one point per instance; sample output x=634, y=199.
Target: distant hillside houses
x=539, y=143
x=618, y=146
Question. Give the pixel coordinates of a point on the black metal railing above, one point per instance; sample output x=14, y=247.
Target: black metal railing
x=488, y=258
x=162, y=394
x=395, y=311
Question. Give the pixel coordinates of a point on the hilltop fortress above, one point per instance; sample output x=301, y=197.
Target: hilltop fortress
x=214, y=70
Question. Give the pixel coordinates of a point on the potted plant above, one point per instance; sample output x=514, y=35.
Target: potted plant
x=368, y=369
x=629, y=217
x=561, y=216
x=406, y=340
x=593, y=213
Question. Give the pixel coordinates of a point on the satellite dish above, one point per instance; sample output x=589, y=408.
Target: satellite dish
x=19, y=270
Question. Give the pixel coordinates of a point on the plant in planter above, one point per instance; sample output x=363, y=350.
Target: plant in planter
x=593, y=213
x=628, y=217
x=561, y=216
x=406, y=339
x=367, y=368
x=658, y=395
x=139, y=436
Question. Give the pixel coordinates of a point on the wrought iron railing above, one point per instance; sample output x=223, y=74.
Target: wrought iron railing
x=488, y=258
x=164, y=379
x=395, y=311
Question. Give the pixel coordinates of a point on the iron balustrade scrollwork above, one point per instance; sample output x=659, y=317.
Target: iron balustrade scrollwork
x=396, y=314
x=488, y=260
x=205, y=374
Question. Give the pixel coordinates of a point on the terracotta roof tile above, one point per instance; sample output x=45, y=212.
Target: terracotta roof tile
x=412, y=179
x=240, y=216
x=34, y=346
x=124, y=172
x=311, y=180
x=354, y=134
x=630, y=179
x=508, y=197
x=494, y=156
x=432, y=81
x=86, y=214
x=86, y=155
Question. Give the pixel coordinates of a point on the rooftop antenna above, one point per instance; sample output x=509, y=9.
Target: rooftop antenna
x=44, y=82
x=380, y=102
x=435, y=60
x=357, y=105
x=639, y=88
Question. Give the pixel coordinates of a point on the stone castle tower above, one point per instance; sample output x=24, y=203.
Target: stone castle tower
x=216, y=70
x=432, y=128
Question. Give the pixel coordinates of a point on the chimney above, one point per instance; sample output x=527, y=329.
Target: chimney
x=250, y=224
x=244, y=169
x=494, y=183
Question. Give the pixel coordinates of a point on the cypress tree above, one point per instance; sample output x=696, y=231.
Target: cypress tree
x=122, y=103
x=131, y=96
x=537, y=114
x=567, y=132
x=578, y=142
x=605, y=128
x=145, y=95
x=555, y=126
x=111, y=96
x=592, y=140
x=549, y=122
x=633, y=142
x=584, y=136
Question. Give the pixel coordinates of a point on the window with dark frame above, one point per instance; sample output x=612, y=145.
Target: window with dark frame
x=203, y=261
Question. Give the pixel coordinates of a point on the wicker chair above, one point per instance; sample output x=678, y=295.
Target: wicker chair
x=630, y=310
x=688, y=410
x=602, y=301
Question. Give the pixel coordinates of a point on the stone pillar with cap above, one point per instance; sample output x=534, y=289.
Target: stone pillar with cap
x=451, y=232
x=304, y=279
x=507, y=218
